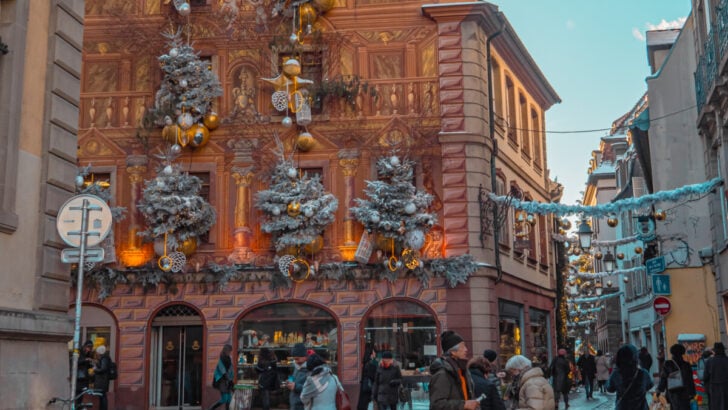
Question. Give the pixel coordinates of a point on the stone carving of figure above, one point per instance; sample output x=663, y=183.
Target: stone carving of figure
x=434, y=241
x=428, y=104
x=411, y=97
x=244, y=94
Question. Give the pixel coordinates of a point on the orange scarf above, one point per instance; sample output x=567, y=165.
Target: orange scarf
x=463, y=383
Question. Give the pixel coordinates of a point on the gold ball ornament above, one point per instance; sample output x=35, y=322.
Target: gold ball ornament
x=562, y=231
x=305, y=141
x=198, y=136
x=292, y=68
x=324, y=5
x=660, y=214
x=307, y=13
x=638, y=250
x=576, y=251
x=566, y=224
x=620, y=256
x=171, y=133
x=188, y=246
x=315, y=245
x=612, y=221
x=294, y=209
x=598, y=255
x=211, y=121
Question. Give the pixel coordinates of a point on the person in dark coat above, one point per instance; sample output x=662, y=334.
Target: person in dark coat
x=268, y=380
x=387, y=380
x=368, y=373
x=629, y=380
x=223, y=378
x=560, y=369
x=679, y=399
x=85, y=362
x=588, y=368
x=479, y=368
x=101, y=375
x=645, y=359
x=451, y=387
x=296, y=381
x=716, y=378
x=495, y=374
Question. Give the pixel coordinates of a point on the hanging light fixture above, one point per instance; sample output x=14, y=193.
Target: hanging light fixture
x=609, y=261
x=585, y=235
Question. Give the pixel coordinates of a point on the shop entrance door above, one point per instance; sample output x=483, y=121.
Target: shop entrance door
x=176, y=367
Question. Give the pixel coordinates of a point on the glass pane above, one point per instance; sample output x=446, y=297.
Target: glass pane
x=510, y=329
x=170, y=365
x=540, y=330
x=100, y=335
x=193, y=379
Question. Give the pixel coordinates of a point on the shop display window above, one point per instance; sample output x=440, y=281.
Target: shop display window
x=511, y=329
x=540, y=331
x=405, y=328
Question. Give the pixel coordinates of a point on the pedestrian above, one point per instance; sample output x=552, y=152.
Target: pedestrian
x=368, y=372
x=479, y=368
x=716, y=378
x=268, y=379
x=101, y=375
x=388, y=378
x=660, y=358
x=319, y=390
x=495, y=375
x=223, y=378
x=560, y=369
x=535, y=392
x=629, y=380
x=679, y=398
x=298, y=378
x=588, y=369
x=85, y=362
x=645, y=359
x=704, y=358
x=451, y=387
x=603, y=364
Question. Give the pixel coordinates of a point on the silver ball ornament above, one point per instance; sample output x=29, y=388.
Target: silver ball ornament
x=184, y=9
x=173, y=53
x=79, y=181
x=292, y=173
x=287, y=122
x=176, y=149
x=276, y=211
x=168, y=170
x=374, y=218
x=183, y=83
x=293, y=38
x=410, y=208
x=308, y=212
x=394, y=160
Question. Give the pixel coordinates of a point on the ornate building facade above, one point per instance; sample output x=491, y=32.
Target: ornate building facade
x=425, y=72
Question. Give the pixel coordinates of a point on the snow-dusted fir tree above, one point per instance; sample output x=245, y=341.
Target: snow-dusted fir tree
x=297, y=208
x=394, y=207
x=171, y=204
x=189, y=86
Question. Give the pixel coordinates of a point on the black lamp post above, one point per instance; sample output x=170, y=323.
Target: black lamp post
x=609, y=261
x=585, y=235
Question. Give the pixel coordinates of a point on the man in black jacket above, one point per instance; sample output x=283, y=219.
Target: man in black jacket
x=560, y=370
x=588, y=368
x=451, y=387
x=386, y=383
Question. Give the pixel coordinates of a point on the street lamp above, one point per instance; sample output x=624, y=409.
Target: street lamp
x=609, y=262
x=598, y=288
x=585, y=235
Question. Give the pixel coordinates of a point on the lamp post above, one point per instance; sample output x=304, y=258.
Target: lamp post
x=585, y=235
x=609, y=262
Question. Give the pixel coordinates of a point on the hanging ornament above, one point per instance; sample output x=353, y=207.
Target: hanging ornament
x=410, y=258
x=660, y=215
x=185, y=120
x=374, y=218
x=170, y=133
x=638, y=250
x=598, y=255
x=293, y=38
x=79, y=181
x=276, y=211
x=211, y=121
x=279, y=100
x=284, y=262
x=198, y=136
x=294, y=209
x=307, y=212
x=415, y=239
x=184, y=9
x=315, y=245
x=287, y=122
x=566, y=224
x=391, y=263
x=188, y=246
x=178, y=261
x=183, y=83
x=324, y=5
x=410, y=208
x=168, y=170
x=306, y=13
x=620, y=256
x=394, y=160
x=612, y=220
x=165, y=263
x=576, y=251
x=625, y=279
x=303, y=112
x=299, y=270
x=292, y=173
x=176, y=149
x=173, y=53
x=531, y=219
x=609, y=283
x=305, y=141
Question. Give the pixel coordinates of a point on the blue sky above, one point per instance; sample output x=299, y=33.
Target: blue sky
x=593, y=53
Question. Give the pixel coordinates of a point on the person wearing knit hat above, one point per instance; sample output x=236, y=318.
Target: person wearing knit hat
x=385, y=390
x=451, y=385
x=101, y=375
x=560, y=369
x=491, y=355
x=85, y=362
x=295, y=382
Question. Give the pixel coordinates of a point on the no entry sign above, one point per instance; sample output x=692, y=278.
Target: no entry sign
x=662, y=305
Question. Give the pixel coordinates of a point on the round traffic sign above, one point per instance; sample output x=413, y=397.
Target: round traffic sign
x=70, y=215
x=662, y=305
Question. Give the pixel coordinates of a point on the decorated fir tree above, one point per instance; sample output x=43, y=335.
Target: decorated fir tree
x=394, y=208
x=189, y=86
x=171, y=204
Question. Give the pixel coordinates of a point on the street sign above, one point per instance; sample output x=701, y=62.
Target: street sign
x=662, y=305
x=661, y=285
x=73, y=255
x=70, y=215
x=655, y=265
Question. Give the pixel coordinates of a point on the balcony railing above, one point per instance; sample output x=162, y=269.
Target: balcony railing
x=707, y=69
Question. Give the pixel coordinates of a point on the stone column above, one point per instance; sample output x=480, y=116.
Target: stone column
x=349, y=162
x=242, y=232
x=134, y=253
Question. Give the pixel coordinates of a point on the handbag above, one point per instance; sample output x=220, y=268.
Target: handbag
x=342, y=399
x=674, y=379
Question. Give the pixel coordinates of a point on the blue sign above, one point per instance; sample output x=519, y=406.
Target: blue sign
x=661, y=285
x=655, y=265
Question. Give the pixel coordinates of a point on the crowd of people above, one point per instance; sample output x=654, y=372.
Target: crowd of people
x=93, y=372
x=460, y=382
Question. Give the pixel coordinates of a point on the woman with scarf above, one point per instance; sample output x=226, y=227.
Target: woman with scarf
x=223, y=378
x=319, y=390
x=679, y=398
x=534, y=391
x=451, y=387
x=629, y=380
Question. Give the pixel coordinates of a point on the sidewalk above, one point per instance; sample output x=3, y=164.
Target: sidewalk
x=601, y=401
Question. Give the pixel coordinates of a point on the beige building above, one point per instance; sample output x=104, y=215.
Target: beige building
x=39, y=95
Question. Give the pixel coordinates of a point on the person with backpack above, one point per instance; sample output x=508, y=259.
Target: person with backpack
x=222, y=380
x=102, y=370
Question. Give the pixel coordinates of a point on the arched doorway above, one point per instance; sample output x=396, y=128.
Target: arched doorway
x=176, y=359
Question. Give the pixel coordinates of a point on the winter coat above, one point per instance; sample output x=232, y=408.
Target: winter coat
x=716, y=382
x=446, y=391
x=679, y=398
x=224, y=376
x=602, y=368
x=299, y=379
x=560, y=369
x=368, y=372
x=645, y=361
x=319, y=390
x=268, y=375
x=101, y=373
x=535, y=393
x=386, y=385
x=587, y=366
x=481, y=385
x=630, y=395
